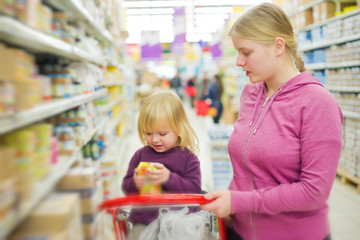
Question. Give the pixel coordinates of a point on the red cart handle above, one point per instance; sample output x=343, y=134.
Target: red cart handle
x=154, y=200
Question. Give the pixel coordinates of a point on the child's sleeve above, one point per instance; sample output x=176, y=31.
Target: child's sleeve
x=128, y=184
x=189, y=181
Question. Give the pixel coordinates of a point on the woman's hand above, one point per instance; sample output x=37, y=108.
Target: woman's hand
x=160, y=175
x=138, y=180
x=221, y=204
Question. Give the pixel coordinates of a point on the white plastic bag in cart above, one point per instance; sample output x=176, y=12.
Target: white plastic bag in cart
x=176, y=225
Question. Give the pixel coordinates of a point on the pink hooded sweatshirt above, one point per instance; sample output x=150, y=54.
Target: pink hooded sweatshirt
x=284, y=151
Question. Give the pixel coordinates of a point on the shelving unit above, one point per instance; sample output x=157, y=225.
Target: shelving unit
x=78, y=12
x=328, y=43
x=19, y=35
x=16, y=33
x=305, y=7
x=345, y=92
x=46, y=110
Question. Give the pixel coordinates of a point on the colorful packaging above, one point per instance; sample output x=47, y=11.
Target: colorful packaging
x=143, y=170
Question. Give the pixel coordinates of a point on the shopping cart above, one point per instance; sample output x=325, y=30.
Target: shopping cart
x=116, y=207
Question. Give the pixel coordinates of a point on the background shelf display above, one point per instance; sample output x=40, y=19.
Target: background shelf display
x=305, y=7
x=78, y=12
x=344, y=89
x=86, y=44
x=328, y=43
x=330, y=48
x=353, y=115
x=321, y=66
x=221, y=164
x=46, y=110
x=21, y=35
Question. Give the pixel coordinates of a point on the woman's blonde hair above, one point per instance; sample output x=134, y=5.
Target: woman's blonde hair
x=264, y=23
x=167, y=106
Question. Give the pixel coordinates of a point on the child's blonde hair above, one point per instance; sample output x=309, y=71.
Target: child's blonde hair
x=264, y=23
x=167, y=106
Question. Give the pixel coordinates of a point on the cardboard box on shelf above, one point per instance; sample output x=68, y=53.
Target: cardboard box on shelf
x=15, y=64
x=78, y=178
x=317, y=13
x=7, y=163
x=57, y=216
x=304, y=18
x=327, y=10
x=89, y=205
x=71, y=232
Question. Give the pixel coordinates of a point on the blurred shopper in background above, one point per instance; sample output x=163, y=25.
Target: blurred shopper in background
x=286, y=142
x=176, y=85
x=204, y=87
x=215, y=92
x=191, y=90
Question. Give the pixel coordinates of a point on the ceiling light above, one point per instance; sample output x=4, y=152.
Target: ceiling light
x=211, y=16
x=228, y=2
x=144, y=4
x=148, y=11
x=213, y=10
x=149, y=18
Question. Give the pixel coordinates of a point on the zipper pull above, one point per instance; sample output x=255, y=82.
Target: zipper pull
x=266, y=100
x=254, y=130
x=250, y=124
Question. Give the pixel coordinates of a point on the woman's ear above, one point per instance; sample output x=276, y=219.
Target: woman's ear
x=279, y=46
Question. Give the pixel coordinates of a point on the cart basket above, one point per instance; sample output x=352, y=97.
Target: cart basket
x=113, y=206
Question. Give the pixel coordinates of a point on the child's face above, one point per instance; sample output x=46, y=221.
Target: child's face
x=161, y=139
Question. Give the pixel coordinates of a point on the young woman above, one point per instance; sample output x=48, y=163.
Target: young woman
x=170, y=141
x=287, y=139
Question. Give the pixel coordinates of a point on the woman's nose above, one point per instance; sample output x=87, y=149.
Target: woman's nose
x=240, y=61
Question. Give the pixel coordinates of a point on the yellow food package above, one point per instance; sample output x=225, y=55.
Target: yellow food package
x=148, y=188
x=145, y=167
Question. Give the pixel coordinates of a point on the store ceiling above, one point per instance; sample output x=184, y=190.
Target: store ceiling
x=202, y=18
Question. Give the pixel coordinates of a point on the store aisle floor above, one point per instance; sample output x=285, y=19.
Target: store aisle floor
x=344, y=201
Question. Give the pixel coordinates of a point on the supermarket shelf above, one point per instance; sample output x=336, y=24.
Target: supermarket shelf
x=348, y=177
x=114, y=122
x=343, y=64
x=349, y=114
x=120, y=66
x=328, y=43
x=82, y=55
x=305, y=7
x=45, y=186
x=315, y=66
x=111, y=104
x=17, y=33
x=46, y=110
x=42, y=189
x=111, y=83
x=330, y=20
x=348, y=89
x=75, y=8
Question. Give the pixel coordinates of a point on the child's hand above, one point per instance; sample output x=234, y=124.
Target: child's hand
x=160, y=175
x=138, y=180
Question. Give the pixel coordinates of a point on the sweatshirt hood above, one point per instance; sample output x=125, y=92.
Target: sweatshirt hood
x=282, y=93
